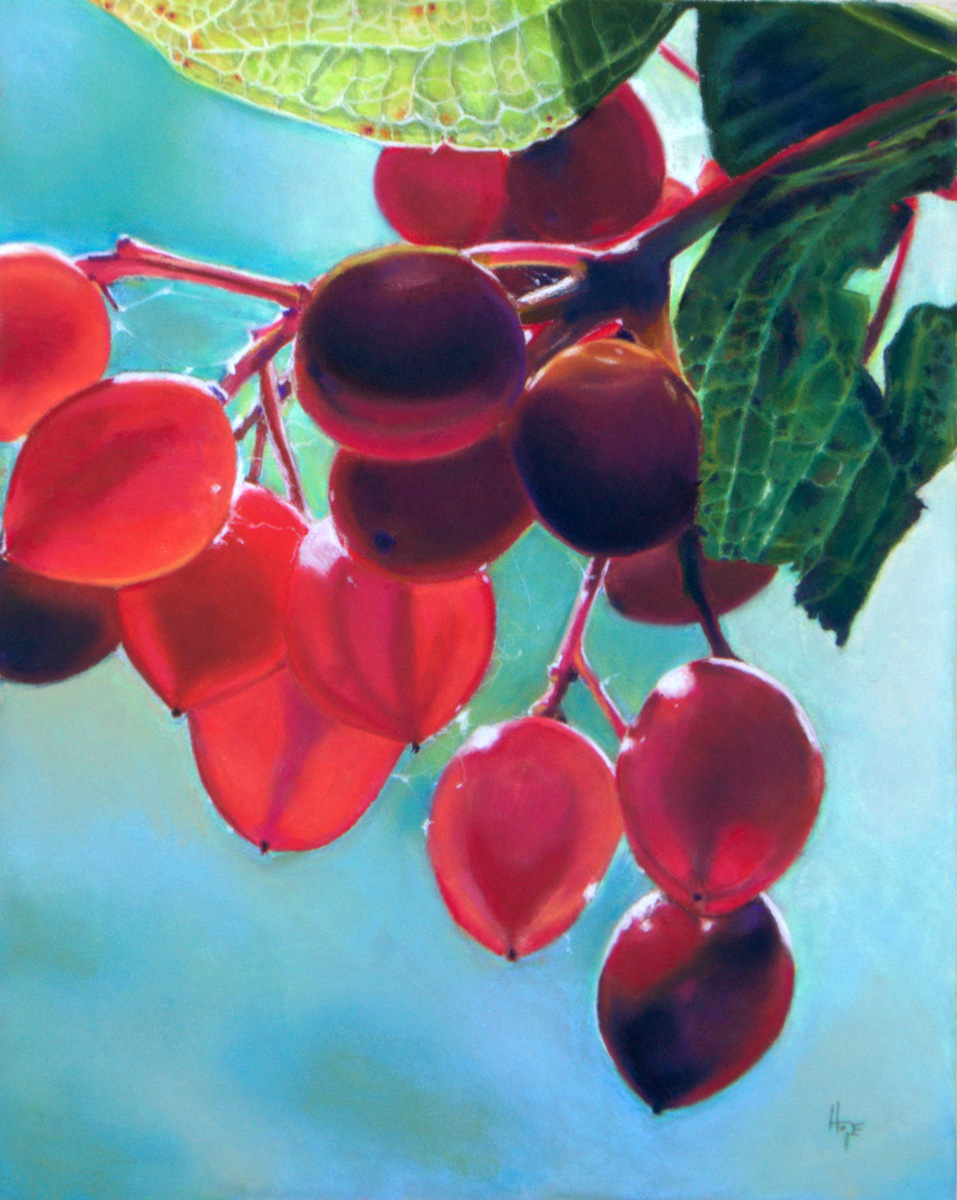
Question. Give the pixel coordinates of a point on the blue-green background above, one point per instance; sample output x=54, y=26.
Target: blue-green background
x=182, y=1018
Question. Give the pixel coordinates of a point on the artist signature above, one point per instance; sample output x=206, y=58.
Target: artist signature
x=842, y=1127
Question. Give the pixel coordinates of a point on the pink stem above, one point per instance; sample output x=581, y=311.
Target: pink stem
x=564, y=670
x=889, y=294
x=496, y=255
x=675, y=59
x=588, y=677
x=265, y=346
x=259, y=447
x=244, y=424
x=136, y=258
x=285, y=459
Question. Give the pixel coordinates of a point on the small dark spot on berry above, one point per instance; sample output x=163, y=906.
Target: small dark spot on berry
x=511, y=955
x=263, y=847
x=416, y=747
x=176, y=712
x=384, y=542
x=697, y=897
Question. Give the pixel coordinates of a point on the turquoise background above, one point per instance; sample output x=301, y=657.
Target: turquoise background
x=182, y=1018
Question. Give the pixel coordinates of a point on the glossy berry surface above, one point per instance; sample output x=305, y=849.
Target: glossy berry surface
x=440, y=196
x=50, y=630
x=524, y=823
x=395, y=658
x=408, y=353
x=435, y=519
x=606, y=439
x=54, y=334
x=280, y=772
x=123, y=482
x=687, y=1006
x=216, y=623
x=649, y=586
x=721, y=778
x=594, y=180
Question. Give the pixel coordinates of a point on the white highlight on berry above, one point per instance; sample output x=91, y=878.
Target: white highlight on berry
x=483, y=737
x=676, y=684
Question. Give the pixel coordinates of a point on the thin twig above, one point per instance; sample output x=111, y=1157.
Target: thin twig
x=889, y=294
x=137, y=258
x=675, y=59
x=564, y=670
x=259, y=447
x=586, y=673
x=265, y=346
x=285, y=459
x=692, y=563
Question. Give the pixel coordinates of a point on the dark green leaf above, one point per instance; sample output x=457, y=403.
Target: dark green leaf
x=771, y=337
x=915, y=433
x=772, y=73
x=500, y=73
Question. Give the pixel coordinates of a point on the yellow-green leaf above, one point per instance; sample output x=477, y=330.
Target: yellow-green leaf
x=476, y=72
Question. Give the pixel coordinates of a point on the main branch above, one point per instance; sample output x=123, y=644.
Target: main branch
x=132, y=258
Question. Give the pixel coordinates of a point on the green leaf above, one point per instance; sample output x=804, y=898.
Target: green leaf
x=772, y=338
x=915, y=434
x=477, y=72
x=773, y=73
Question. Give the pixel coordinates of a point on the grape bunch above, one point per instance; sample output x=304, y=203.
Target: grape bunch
x=306, y=655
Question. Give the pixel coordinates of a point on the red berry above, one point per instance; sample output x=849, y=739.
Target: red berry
x=687, y=1006
x=216, y=623
x=441, y=196
x=408, y=353
x=396, y=658
x=284, y=775
x=606, y=440
x=54, y=334
x=440, y=518
x=524, y=824
x=593, y=181
x=721, y=778
x=122, y=482
x=51, y=630
x=650, y=586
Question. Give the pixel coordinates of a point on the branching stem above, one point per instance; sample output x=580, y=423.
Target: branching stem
x=683, y=228
x=564, y=670
x=285, y=459
x=265, y=345
x=136, y=258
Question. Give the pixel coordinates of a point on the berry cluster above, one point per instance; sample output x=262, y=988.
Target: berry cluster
x=307, y=655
